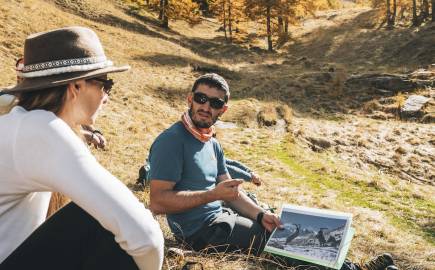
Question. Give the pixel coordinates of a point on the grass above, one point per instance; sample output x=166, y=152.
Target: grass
x=389, y=214
x=386, y=211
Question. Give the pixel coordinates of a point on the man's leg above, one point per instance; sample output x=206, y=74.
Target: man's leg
x=229, y=233
x=70, y=239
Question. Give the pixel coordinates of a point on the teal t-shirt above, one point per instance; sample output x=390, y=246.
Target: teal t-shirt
x=178, y=157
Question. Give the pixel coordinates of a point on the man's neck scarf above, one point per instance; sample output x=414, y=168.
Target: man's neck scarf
x=201, y=134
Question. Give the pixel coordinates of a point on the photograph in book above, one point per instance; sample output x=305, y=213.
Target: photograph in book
x=310, y=234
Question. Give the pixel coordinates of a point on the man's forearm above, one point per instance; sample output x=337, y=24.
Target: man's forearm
x=245, y=206
x=170, y=201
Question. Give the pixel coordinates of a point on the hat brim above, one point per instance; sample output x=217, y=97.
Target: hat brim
x=38, y=83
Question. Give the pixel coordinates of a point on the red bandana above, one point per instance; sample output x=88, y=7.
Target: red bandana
x=202, y=134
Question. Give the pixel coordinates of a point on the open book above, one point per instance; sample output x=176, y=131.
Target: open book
x=313, y=235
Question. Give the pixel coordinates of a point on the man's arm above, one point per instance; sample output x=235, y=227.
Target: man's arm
x=246, y=207
x=165, y=200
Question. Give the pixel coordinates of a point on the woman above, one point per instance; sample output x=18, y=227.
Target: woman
x=104, y=227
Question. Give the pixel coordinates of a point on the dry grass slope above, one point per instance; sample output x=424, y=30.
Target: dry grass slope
x=390, y=214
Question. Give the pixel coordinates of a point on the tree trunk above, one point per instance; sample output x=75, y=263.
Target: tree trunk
x=162, y=3
x=165, y=19
x=269, y=30
x=414, y=13
x=230, y=24
x=286, y=24
x=393, y=18
x=388, y=14
x=433, y=10
x=424, y=13
x=225, y=18
x=280, y=25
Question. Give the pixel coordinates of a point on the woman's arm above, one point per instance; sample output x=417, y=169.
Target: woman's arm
x=53, y=158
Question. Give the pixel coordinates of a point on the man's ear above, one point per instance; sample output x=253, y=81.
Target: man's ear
x=189, y=99
x=224, y=109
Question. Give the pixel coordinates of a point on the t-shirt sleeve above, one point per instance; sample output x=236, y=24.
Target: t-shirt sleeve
x=222, y=168
x=51, y=157
x=166, y=158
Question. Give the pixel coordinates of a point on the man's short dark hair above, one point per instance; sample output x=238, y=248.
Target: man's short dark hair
x=213, y=80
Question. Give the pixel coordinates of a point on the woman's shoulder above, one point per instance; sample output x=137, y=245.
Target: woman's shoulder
x=41, y=122
x=35, y=115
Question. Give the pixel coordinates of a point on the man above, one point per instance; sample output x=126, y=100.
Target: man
x=189, y=179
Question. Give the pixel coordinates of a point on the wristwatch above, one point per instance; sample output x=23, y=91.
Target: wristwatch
x=260, y=217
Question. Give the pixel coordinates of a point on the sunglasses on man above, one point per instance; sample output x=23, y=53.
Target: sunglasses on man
x=215, y=103
x=107, y=84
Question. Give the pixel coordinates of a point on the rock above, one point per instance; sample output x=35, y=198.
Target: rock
x=428, y=118
x=320, y=142
x=413, y=106
x=371, y=106
x=389, y=82
x=225, y=125
x=401, y=150
x=379, y=116
x=423, y=74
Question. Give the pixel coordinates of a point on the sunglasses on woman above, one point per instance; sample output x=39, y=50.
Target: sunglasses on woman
x=107, y=84
x=215, y=103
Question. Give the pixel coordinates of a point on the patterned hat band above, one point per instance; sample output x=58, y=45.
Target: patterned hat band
x=64, y=66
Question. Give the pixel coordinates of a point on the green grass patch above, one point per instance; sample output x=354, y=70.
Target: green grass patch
x=402, y=209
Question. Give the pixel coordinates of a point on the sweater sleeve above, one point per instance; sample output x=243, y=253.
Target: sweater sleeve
x=237, y=173
x=238, y=164
x=51, y=157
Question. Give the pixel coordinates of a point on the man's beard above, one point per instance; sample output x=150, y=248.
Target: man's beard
x=202, y=124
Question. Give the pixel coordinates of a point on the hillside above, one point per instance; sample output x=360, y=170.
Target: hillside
x=317, y=139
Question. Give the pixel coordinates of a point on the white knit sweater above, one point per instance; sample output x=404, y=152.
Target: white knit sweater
x=39, y=154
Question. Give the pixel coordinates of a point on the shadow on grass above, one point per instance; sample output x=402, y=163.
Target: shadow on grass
x=357, y=42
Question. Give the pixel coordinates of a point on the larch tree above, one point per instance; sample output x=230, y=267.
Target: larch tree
x=391, y=14
x=424, y=10
x=230, y=14
x=415, y=20
x=186, y=10
x=263, y=10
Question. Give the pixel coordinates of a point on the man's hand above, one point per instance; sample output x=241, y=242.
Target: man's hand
x=96, y=139
x=256, y=180
x=227, y=190
x=271, y=221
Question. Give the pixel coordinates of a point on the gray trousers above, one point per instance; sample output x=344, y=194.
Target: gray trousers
x=230, y=232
